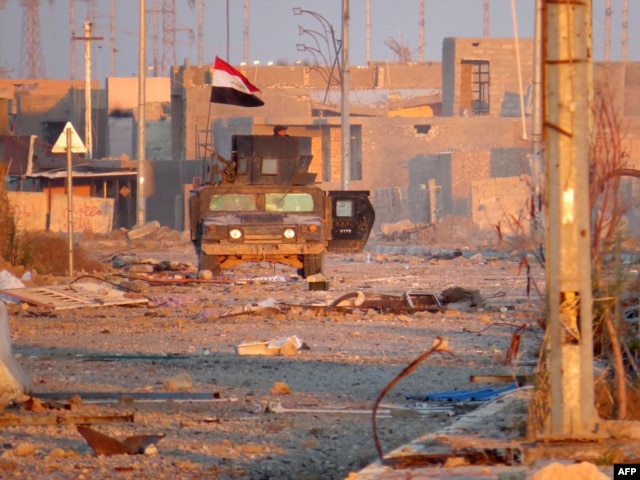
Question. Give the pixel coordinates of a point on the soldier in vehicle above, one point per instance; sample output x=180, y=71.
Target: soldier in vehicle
x=280, y=131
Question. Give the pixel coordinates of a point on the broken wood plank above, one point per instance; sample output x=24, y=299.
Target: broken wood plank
x=65, y=297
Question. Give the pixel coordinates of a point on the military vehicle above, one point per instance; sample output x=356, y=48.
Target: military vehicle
x=262, y=205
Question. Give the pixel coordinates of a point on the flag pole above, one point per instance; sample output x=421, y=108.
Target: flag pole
x=206, y=143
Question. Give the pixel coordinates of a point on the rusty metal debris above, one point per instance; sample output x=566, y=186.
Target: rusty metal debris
x=406, y=371
x=13, y=420
x=102, y=444
x=130, y=397
x=177, y=281
x=386, y=303
x=515, y=344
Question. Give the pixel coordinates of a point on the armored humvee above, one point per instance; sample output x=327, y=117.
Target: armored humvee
x=262, y=205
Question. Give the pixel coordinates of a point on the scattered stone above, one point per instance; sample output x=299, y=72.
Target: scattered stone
x=289, y=349
x=205, y=275
x=178, y=383
x=143, y=231
x=582, y=470
x=141, y=268
x=280, y=388
x=135, y=285
x=25, y=449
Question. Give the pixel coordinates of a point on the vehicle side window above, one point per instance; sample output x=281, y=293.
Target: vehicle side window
x=344, y=208
x=288, y=202
x=233, y=202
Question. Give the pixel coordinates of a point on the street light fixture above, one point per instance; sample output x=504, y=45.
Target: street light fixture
x=329, y=35
x=324, y=42
x=340, y=58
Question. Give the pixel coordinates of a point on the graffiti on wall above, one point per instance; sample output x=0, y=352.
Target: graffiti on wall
x=29, y=210
x=90, y=214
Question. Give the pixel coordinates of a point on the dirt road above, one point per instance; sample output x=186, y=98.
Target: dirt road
x=183, y=342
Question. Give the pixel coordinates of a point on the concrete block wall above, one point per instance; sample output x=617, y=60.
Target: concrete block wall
x=466, y=167
x=501, y=202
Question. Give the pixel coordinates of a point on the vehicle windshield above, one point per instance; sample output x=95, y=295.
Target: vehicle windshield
x=288, y=202
x=233, y=202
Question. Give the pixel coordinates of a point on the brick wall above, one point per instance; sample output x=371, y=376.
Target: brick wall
x=503, y=73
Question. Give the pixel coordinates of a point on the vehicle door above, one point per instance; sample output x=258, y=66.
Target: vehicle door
x=352, y=218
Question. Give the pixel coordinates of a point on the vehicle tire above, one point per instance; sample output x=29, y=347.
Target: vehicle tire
x=313, y=264
x=209, y=262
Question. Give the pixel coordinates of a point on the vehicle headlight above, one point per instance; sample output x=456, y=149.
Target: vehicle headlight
x=289, y=234
x=235, y=234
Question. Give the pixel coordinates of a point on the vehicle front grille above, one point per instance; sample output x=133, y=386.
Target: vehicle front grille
x=263, y=234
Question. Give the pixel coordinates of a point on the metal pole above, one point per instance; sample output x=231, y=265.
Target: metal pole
x=367, y=30
x=142, y=77
x=625, y=28
x=567, y=112
x=345, y=123
x=517, y=46
x=537, y=146
x=87, y=89
x=69, y=201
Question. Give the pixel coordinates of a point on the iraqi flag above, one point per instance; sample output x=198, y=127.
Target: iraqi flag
x=231, y=87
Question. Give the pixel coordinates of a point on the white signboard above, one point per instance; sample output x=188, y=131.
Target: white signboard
x=77, y=146
x=90, y=214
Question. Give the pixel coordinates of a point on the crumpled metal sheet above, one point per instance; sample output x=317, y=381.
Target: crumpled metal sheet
x=102, y=444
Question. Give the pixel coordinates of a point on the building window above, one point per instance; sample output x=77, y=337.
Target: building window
x=474, y=88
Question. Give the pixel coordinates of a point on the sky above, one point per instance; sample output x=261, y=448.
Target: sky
x=274, y=31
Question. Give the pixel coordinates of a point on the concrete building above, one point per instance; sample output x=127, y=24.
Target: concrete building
x=420, y=132
x=428, y=140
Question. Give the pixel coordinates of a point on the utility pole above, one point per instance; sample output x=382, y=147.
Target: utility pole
x=87, y=86
x=625, y=28
x=201, y=32
x=568, y=84
x=537, y=143
x=607, y=30
x=142, y=80
x=421, y=26
x=112, y=40
x=345, y=123
x=485, y=19
x=245, y=33
x=367, y=23
x=72, y=24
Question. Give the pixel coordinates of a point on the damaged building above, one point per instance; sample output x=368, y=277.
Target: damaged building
x=430, y=140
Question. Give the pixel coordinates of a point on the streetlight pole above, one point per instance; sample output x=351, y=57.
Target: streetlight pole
x=334, y=47
x=142, y=77
x=340, y=57
x=345, y=124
